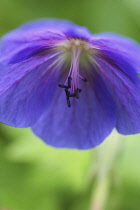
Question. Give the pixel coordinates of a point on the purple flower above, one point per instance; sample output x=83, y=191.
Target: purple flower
x=70, y=86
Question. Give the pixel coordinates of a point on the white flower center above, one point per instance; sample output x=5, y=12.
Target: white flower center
x=67, y=45
x=78, y=51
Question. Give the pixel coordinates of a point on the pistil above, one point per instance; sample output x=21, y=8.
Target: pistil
x=71, y=86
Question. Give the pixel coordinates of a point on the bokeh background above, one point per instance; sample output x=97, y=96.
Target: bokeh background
x=34, y=176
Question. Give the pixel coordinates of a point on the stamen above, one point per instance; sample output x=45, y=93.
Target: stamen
x=67, y=97
x=77, y=93
x=84, y=80
x=68, y=94
x=71, y=85
x=68, y=102
x=63, y=86
x=69, y=82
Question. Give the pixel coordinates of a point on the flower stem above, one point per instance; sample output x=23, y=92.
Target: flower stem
x=105, y=166
x=100, y=194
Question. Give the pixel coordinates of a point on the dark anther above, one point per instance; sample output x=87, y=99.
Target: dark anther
x=72, y=95
x=68, y=102
x=77, y=93
x=69, y=82
x=63, y=86
x=84, y=80
x=80, y=90
x=67, y=92
x=68, y=97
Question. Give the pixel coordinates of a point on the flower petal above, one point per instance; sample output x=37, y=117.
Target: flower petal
x=22, y=100
x=83, y=126
x=126, y=47
x=43, y=29
x=124, y=85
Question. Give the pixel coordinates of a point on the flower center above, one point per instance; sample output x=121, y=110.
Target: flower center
x=76, y=48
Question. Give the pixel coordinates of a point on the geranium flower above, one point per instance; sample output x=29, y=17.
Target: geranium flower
x=70, y=86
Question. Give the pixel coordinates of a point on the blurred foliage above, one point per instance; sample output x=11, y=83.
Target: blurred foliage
x=36, y=176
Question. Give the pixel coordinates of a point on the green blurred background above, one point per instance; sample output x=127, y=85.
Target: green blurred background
x=34, y=176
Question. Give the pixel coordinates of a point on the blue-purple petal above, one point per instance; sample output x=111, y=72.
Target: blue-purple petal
x=126, y=47
x=124, y=85
x=23, y=100
x=43, y=29
x=83, y=126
